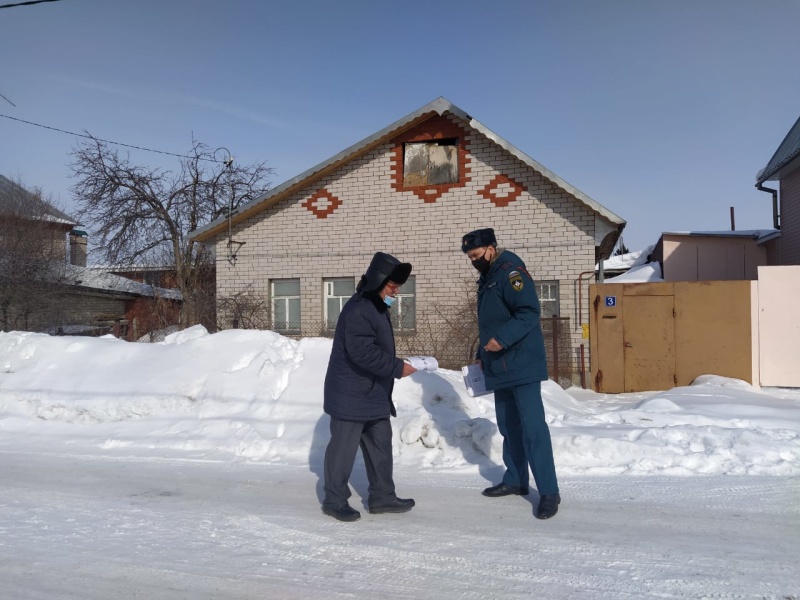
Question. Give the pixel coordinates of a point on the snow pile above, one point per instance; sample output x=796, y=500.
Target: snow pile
x=257, y=395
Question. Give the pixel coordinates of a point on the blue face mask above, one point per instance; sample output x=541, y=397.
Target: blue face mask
x=389, y=300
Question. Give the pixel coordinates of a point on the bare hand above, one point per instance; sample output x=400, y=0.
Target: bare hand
x=407, y=370
x=493, y=346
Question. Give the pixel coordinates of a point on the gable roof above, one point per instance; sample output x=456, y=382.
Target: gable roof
x=98, y=280
x=439, y=106
x=36, y=207
x=785, y=154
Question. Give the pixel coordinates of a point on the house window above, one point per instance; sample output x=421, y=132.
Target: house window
x=337, y=292
x=286, y=305
x=430, y=163
x=404, y=311
x=548, y=298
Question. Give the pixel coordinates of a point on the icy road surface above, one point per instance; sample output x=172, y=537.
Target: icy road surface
x=104, y=528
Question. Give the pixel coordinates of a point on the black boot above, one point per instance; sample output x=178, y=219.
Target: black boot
x=343, y=512
x=503, y=489
x=395, y=505
x=548, y=506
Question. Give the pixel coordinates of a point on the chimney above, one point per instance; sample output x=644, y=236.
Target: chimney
x=77, y=247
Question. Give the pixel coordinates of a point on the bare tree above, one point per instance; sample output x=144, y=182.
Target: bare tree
x=32, y=258
x=139, y=213
x=449, y=331
x=462, y=322
x=247, y=309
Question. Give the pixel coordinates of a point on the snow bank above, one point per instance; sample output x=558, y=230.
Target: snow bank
x=256, y=395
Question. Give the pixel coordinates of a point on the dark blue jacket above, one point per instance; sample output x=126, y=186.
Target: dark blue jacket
x=363, y=365
x=509, y=311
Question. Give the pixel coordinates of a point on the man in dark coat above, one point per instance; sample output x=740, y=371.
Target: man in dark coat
x=512, y=357
x=358, y=392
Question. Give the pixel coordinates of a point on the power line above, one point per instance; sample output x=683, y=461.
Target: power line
x=7, y=100
x=91, y=137
x=26, y=3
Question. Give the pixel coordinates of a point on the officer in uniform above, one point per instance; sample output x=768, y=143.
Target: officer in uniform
x=512, y=356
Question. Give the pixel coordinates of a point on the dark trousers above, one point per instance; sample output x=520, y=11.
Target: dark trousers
x=375, y=440
x=526, y=437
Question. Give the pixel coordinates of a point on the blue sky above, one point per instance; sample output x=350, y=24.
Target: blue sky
x=661, y=111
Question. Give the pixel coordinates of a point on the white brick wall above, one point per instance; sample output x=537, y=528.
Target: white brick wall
x=548, y=228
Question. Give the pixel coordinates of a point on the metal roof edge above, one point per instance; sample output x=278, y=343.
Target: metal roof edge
x=591, y=203
x=759, y=235
x=768, y=236
x=58, y=215
x=768, y=172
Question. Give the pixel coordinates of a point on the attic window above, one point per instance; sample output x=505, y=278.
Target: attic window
x=430, y=163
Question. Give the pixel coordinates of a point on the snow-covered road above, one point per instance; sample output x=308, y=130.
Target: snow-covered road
x=94, y=527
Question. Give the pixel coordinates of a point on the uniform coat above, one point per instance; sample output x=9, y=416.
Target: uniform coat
x=509, y=312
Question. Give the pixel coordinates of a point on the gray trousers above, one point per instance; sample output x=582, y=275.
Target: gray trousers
x=375, y=440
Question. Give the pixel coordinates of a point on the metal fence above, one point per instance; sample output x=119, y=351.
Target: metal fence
x=455, y=347
x=558, y=347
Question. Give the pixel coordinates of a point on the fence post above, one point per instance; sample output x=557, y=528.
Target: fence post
x=583, y=370
x=555, y=349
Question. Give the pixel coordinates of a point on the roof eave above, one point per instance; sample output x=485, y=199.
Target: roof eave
x=780, y=170
x=777, y=165
x=594, y=205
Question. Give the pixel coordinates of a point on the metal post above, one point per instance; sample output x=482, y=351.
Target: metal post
x=583, y=369
x=555, y=349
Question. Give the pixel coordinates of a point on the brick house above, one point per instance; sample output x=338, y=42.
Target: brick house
x=29, y=215
x=784, y=167
x=46, y=286
x=95, y=302
x=412, y=189
x=164, y=280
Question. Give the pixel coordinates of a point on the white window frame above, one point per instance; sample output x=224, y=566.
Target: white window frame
x=286, y=301
x=548, y=293
x=328, y=293
x=403, y=298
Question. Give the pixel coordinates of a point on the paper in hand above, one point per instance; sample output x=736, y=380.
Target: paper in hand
x=423, y=363
x=474, y=380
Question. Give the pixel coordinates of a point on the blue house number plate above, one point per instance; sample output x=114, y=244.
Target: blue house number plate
x=611, y=300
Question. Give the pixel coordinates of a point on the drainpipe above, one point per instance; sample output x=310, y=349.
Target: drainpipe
x=775, y=215
x=580, y=320
x=580, y=295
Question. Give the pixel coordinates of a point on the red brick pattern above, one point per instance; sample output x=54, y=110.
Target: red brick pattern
x=322, y=198
x=435, y=128
x=497, y=190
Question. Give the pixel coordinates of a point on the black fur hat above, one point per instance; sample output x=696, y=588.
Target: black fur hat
x=383, y=267
x=478, y=239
